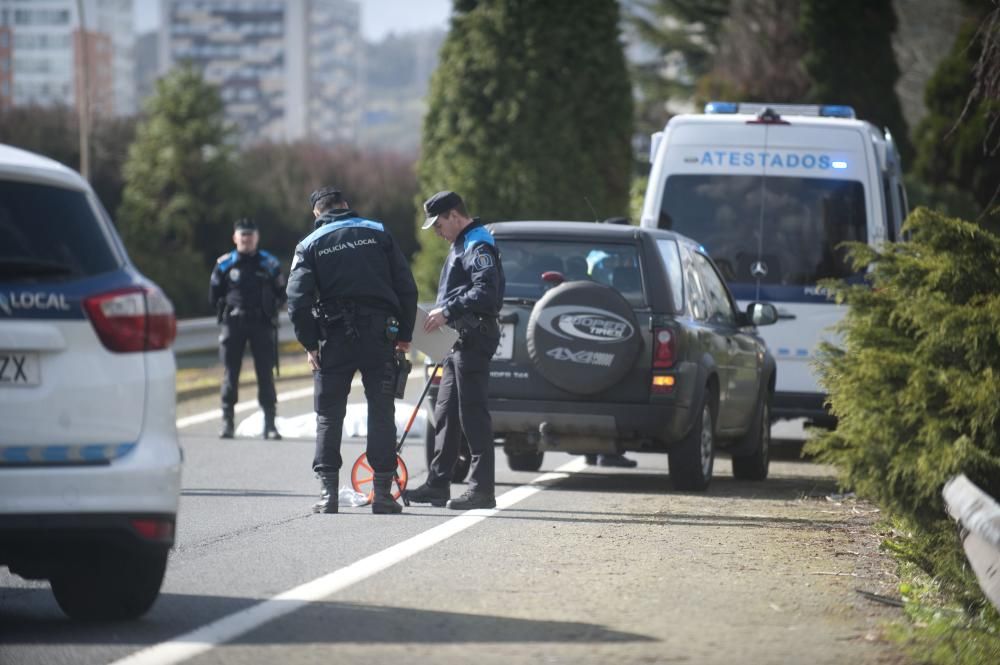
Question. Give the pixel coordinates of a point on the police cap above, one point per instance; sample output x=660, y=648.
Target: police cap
x=439, y=204
x=244, y=224
x=323, y=193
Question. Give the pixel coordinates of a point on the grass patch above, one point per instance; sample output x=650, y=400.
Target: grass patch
x=940, y=631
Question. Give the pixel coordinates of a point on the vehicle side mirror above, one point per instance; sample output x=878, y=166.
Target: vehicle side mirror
x=762, y=313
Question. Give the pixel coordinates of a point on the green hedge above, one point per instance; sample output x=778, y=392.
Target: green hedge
x=915, y=383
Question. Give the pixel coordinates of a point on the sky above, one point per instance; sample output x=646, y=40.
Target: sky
x=378, y=17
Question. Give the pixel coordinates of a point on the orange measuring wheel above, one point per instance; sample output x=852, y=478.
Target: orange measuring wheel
x=363, y=476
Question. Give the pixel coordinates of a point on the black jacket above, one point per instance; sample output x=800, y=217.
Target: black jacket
x=250, y=282
x=349, y=258
x=472, y=280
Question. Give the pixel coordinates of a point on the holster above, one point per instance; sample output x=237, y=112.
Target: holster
x=342, y=312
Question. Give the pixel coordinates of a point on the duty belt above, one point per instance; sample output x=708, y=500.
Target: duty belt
x=484, y=323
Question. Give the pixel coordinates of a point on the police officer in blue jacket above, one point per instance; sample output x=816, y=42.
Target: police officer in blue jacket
x=353, y=301
x=247, y=289
x=470, y=294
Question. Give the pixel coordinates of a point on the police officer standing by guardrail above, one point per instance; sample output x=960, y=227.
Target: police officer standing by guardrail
x=247, y=289
x=352, y=301
x=470, y=294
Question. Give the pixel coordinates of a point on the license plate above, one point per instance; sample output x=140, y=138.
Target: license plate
x=505, y=350
x=19, y=368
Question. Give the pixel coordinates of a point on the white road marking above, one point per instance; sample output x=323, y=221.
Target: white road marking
x=223, y=630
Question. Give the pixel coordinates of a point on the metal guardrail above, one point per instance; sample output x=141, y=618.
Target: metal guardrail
x=194, y=335
x=979, y=515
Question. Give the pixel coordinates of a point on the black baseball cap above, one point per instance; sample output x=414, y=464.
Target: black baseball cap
x=244, y=224
x=324, y=192
x=439, y=204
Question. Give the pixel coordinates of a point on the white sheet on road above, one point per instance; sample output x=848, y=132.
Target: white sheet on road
x=355, y=423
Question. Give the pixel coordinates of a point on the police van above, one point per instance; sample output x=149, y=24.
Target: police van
x=771, y=191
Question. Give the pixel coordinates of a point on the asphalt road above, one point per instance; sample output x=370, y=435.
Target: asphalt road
x=577, y=565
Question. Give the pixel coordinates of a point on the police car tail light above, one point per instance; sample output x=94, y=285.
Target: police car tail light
x=664, y=348
x=134, y=319
x=154, y=529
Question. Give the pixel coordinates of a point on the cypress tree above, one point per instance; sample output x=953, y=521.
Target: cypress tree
x=530, y=115
x=850, y=60
x=914, y=382
x=957, y=152
x=180, y=195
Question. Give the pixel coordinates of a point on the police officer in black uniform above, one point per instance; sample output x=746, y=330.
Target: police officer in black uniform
x=247, y=289
x=470, y=295
x=352, y=301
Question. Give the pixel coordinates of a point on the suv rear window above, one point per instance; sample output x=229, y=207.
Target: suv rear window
x=50, y=232
x=612, y=264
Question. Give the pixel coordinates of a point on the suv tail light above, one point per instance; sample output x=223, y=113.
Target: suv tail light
x=133, y=319
x=664, y=348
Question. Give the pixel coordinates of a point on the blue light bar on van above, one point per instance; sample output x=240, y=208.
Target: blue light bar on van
x=836, y=111
x=839, y=165
x=721, y=107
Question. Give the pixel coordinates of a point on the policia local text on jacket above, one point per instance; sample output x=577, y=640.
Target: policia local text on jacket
x=470, y=294
x=247, y=289
x=351, y=297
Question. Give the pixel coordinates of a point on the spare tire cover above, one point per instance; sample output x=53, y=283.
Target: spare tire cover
x=583, y=337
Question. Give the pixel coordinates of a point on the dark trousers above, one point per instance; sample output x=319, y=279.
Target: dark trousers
x=463, y=406
x=236, y=332
x=340, y=357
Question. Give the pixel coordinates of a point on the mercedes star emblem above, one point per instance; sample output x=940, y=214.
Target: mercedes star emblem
x=758, y=269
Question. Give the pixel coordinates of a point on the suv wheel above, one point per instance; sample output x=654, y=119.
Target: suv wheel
x=111, y=584
x=755, y=465
x=583, y=337
x=691, y=460
x=525, y=461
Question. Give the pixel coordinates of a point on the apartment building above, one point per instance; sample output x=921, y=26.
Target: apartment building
x=286, y=69
x=48, y=49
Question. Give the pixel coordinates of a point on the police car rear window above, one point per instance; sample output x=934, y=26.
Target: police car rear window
x=785, y=230
x=50, y=233
x=612, y=264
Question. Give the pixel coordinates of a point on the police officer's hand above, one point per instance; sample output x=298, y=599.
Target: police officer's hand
x=403, y=346
x=312, y=357
x=435, y=320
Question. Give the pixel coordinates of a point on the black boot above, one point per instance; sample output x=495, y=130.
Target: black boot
x=382, y=502
x=616, y=459
x=436, y=496
x=228, y=428
x=270, y=431
x=328, y=493
x=473, y=499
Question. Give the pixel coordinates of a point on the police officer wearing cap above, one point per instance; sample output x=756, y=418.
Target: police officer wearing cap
x=247, y=289
x=353, y=301
x=470, y=294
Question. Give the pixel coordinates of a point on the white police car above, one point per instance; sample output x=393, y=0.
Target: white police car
x=89, y=458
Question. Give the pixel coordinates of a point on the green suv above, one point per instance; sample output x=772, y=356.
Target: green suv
x=617, y=338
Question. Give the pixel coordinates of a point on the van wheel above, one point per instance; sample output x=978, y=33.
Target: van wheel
x=691, y=460
x=525, y=461
x=755, y=465
x=111, y=585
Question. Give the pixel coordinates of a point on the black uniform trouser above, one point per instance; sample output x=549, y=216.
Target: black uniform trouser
x=463, y=407
x=236, y=332
x=340, y=357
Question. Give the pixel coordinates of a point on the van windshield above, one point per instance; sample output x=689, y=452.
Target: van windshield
x=794, y=243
